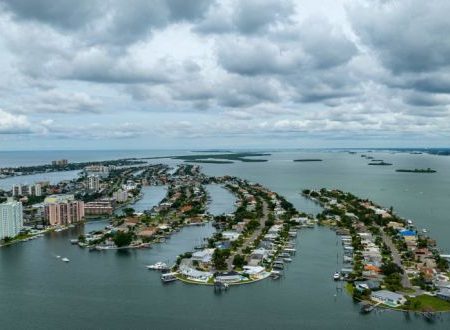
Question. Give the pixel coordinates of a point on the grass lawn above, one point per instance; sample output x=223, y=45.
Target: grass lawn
x=349, y=288
x=429, y=302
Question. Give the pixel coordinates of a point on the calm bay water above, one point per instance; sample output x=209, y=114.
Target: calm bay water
x=52, y=177
x=113, y=290
x=152, y=196
x=222, y=201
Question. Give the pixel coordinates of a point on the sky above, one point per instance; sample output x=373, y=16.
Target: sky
x=174, y=74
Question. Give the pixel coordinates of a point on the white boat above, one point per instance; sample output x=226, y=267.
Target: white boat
x=158, y=266
x=275, y=274
x=57, y=257
x=287, y=259
x=168, y=277
x=336, y=276
x=278, y=265
x=424, y=231
x=65, y=259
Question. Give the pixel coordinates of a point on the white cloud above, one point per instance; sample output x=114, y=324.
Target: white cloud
x=14, y=124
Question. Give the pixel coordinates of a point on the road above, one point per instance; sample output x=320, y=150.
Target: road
x=406, y=283
x=249, y=241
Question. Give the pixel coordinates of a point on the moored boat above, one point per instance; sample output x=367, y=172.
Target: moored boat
x=158, y=266
x=366, y=308
x=168, y=277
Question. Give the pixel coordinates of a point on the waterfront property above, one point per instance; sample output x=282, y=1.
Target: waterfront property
x=380, y=246
x=389, y=298
x=63, y=210
x=444, y=294
x=11, y=219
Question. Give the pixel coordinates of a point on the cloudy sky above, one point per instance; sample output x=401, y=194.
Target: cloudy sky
x=256, y=73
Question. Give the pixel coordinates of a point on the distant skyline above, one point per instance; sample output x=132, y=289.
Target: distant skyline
x=178, y=74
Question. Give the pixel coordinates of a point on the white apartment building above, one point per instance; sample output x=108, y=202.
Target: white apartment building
x=94, y=183
x=11, y=218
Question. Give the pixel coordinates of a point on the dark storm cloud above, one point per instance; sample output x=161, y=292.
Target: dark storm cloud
x=407, y=36
x=66, y=14
x=112, y=21
x=255, y=15
x=435, y=83
x=246, y=17
x=426, y=99
x=326, y=46
x=257, y=57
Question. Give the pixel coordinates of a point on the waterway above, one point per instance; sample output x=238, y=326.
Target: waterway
x=152, y=195
x=113, y=290
x=52, y=177
x=222, y=200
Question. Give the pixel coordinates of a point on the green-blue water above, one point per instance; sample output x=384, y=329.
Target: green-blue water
x=113, y=290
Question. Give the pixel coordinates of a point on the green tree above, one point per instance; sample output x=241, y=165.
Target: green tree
x=391, y=268
x=239, y=261
x=122, y=238
x=128, y=211
x=219, y=258
x=7, y=239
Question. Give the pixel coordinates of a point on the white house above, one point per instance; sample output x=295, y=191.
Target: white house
x=230, y=235
x=389, y=298
x=203, y=256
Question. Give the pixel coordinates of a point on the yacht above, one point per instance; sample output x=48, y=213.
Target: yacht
x=158, y=266
x=337, y=276
x=65, y=259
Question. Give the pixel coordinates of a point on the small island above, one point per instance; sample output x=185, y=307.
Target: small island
x=416, y=170
x=209, y=161
x=308, y=160
x=382, y=163
x=223, y=158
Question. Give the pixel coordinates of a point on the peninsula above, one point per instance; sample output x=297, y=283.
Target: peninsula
x=387, y=262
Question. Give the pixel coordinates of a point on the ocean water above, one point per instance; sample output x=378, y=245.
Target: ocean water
x=113, y=290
